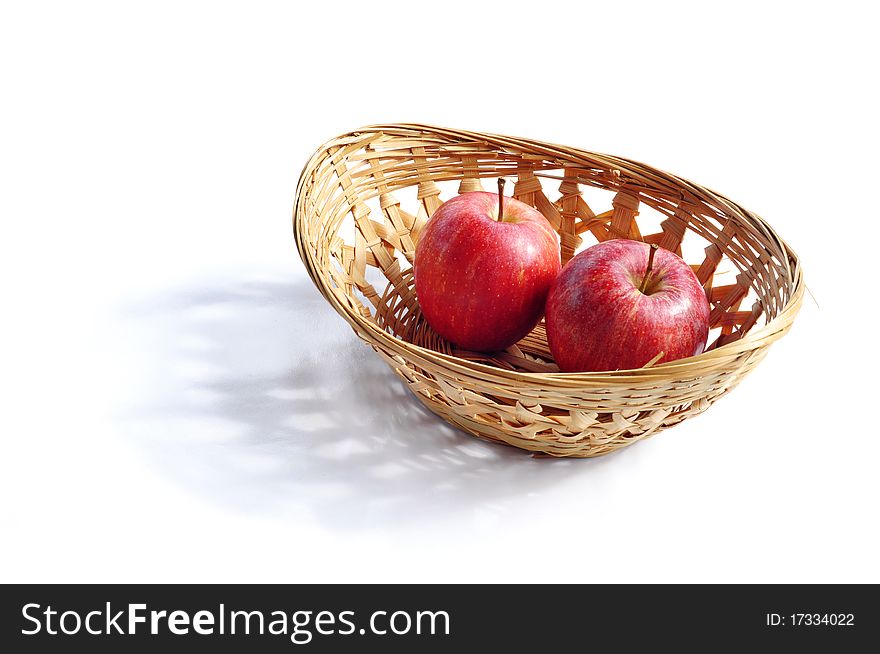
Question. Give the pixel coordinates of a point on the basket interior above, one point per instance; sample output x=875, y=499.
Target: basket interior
x=371, y=194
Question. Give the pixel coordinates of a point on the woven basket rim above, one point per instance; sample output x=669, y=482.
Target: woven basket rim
x=680, y=368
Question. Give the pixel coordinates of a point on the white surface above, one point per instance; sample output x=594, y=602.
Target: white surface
x=179, y=404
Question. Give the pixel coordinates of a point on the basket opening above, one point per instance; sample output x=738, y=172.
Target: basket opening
x=384, y=195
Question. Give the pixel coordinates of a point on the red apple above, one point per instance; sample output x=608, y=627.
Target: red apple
x=619, y=304
x=483, y=271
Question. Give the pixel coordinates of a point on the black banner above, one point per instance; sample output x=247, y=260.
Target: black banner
x=278, y=618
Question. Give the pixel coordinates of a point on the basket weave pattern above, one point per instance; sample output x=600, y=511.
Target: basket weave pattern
x=350, y=224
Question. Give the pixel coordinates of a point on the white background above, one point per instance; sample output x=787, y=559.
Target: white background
x=180, y=404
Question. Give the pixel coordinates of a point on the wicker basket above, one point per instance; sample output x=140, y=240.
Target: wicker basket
x=364, y=197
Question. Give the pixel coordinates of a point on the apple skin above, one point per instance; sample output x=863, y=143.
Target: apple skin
x=598, y=319
x=482, y=283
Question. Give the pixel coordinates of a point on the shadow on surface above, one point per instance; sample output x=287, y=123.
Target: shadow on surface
x=261, y=397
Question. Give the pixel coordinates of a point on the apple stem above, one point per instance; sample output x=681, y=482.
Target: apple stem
x=501, y=183
x=644, y=285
